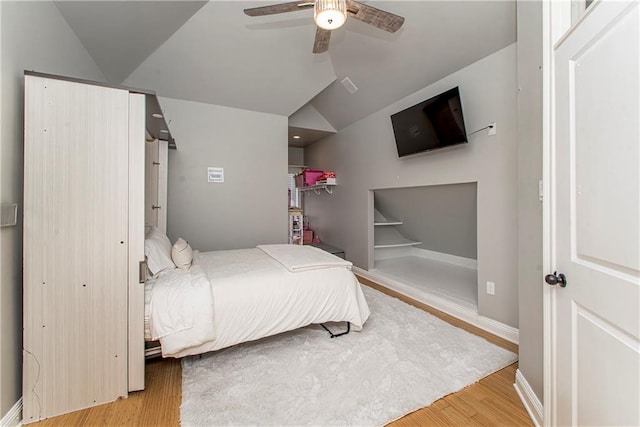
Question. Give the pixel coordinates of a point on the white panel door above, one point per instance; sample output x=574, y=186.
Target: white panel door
x=595, y=216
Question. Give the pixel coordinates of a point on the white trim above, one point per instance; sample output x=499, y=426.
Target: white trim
x=465, y=314
x=529, y=399
x=448, y=258
x=13, y=418
x=554, y=22
x=390, y=253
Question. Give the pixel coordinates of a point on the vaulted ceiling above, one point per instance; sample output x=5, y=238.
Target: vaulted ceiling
x=212, y=52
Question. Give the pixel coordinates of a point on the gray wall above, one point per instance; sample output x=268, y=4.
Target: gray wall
x=296, y=156
x=529, y=207
x=442, y=217
x=364, y=157
x=34, y=36
x=250, y=207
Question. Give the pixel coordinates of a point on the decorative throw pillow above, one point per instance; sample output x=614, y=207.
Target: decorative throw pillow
x=182, y=254
x=157, y=248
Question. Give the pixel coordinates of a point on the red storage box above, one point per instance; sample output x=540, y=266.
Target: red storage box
x=307, y=236
x=307, y=177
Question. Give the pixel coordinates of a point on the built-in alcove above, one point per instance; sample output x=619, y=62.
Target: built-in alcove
x=425, y=239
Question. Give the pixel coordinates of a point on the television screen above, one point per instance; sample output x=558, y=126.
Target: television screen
x=432, y=124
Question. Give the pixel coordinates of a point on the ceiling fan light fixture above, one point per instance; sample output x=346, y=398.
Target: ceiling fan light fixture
x=330, y=14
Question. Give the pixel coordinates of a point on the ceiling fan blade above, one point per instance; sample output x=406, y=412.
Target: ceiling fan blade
x=378, y=18
x=321, y=43
x=279, y=8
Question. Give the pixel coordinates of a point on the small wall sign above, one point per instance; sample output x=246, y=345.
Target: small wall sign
x=215, y=174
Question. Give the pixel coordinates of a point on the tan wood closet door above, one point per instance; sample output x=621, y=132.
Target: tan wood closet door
x=75, y=246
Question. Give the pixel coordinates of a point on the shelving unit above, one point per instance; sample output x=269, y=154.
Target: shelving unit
x=396, y=243
x=382, y=223
x=316, y=188
x=295, y=227
x=387, y=236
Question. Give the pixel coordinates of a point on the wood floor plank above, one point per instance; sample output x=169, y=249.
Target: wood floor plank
x=455, y=416
x=462, y=405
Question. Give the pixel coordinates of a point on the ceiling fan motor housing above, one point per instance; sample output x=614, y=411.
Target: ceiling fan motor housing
x=330, y=14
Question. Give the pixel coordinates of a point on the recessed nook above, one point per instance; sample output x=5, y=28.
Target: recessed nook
x=425, y=241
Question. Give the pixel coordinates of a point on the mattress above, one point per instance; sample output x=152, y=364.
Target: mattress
x=253, y=295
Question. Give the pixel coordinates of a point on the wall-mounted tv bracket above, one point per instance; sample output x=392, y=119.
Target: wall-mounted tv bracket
x=491, y=127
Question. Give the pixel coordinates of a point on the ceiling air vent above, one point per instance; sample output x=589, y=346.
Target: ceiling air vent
x=347, y=83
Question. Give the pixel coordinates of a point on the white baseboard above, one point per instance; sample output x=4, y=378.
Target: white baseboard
x=13, y=418
x=390, y=253
x=529, y=399
x=461, y=312
x=448, y=258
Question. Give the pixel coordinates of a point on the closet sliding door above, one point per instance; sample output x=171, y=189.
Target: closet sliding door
x=76, y=246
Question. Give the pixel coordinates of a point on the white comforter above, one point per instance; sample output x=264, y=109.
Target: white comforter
x=181, y=309
x=251, y=295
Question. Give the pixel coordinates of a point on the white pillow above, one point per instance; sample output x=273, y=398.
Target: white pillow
x=157, y=248
x=182, y=254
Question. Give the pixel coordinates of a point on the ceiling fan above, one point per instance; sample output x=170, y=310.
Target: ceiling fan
x=332, y=14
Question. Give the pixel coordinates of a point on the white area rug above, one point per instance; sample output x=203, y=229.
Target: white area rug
x=404, y=359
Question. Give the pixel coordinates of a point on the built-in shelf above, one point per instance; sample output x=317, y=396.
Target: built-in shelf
x=386, y=235
x=397, y=243
x=316, y=188
x=388, y=223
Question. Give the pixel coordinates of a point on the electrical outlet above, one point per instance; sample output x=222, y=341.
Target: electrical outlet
x=492, y=129
x=491, y=288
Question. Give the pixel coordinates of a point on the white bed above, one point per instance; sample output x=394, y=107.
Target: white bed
x=229, y=297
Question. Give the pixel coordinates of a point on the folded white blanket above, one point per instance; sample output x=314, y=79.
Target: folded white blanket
x=303, y=258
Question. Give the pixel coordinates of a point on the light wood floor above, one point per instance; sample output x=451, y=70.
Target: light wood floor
x=490, y=402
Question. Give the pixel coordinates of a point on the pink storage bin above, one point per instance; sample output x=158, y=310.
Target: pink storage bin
x=307, y=177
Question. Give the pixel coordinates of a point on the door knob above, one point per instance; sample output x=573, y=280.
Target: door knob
x=555, y=278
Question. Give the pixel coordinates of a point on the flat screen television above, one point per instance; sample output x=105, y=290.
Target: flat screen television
x=432, y=124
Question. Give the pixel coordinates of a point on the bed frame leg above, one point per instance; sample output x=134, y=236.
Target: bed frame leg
x=337, y=335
